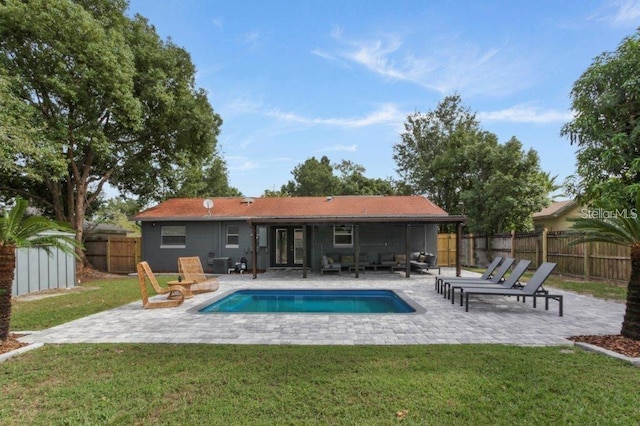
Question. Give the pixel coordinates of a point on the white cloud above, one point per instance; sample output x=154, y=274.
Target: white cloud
x=525, y=114
x=387, y=114
x=343, y=148
x=619, y=13
x=244, y=104
x=449, y=66
x=217, y=22
x=251, y=38
x=323, y=55
x=240, y=163
x=243, y=166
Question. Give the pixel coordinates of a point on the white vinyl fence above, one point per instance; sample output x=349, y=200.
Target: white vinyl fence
x=36, y=270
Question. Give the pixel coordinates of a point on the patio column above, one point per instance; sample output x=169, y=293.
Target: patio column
x=305, y=244
x=407, y=265
x=254, y=251
x=356, y=242
x=458, y=248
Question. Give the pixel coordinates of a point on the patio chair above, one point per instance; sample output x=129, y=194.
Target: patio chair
x=176, y=293
x=422, y=262
x=190, y=268
x=512, y=281
x=485, y=276
x=495, y=279
x=533, y=288
x=329, y=266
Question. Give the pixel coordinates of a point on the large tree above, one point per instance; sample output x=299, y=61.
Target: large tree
x=446, y=155
x=606, y=128
x=509, y=190
x=313, y=177
x=207, y=178
x=352, y=181
x=433, y=156
x=19, y=133
x=115, y=103
x=317, y=178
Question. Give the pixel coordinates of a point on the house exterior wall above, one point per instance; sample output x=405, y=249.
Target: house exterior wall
x=201, y=237
x=559, y=223
x=204, y=237
x=375, y=238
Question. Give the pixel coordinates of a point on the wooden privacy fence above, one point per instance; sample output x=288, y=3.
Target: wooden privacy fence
x=588, y=261
x=446, y=249
x=116, y=255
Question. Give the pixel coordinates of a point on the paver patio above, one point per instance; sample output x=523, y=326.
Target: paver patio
x=492, y=320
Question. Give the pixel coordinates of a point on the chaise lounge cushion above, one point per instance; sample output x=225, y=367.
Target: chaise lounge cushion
x=329, y=266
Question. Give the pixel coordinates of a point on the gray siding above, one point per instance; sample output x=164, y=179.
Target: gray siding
x=205, y=237
x=375, y=239
x=202, y=238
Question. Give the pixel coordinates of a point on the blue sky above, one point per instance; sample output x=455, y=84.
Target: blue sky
x=296, y=79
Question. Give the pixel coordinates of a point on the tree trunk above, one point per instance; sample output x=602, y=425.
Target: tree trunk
x=7, y=270
x=631, y=322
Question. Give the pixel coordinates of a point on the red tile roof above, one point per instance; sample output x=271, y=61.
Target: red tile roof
x=296, y=208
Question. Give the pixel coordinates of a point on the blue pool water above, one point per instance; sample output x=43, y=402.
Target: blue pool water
x=312, y=301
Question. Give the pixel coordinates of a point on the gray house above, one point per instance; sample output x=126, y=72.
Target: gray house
x=292, y=232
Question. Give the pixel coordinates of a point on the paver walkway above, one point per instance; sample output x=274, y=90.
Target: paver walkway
x=492, y=320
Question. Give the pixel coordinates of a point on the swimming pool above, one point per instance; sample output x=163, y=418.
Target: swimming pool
x=311, y=301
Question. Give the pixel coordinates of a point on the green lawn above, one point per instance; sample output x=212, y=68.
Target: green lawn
x=256, y=384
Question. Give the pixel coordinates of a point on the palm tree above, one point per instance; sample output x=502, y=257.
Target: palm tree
x=622, y=228
x=18, y=230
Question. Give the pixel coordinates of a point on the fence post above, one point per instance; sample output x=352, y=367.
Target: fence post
x=545, y=244
x=513, y=244
x=109, y=254
x=471, y=243
x=586, y=254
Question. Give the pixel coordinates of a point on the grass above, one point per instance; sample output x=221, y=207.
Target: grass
x=96, y=296
x=257, y=384
x=253, y=384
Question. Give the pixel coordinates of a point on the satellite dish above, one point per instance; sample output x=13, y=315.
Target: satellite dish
x=208, y=204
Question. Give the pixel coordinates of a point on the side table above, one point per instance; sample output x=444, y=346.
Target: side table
x=185, y=284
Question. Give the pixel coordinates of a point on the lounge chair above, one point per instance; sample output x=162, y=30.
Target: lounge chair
x=191, y=269
x=495, y=279
x=511, y=281
x=485, y=276
x=176, y=293
x=533, y=288
x=330, y=266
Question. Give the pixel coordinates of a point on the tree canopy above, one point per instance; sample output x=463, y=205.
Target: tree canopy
x=105, y=97
x=317, y=178
x=446, y=155
x=606, y=128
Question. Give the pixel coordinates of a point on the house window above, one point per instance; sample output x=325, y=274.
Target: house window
x=233, y=236
x=343, y=236
x=173, y=237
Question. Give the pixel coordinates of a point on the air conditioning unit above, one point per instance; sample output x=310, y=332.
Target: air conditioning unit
x=221, y=265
